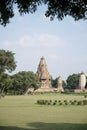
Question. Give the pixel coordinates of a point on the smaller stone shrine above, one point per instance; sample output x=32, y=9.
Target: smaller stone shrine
x=82, y=81
x=43, y=74
x=60, y=84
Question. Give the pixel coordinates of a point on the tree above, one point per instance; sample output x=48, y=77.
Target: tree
x=59, y=8
x=24, y=80
x=73, y=81
x=7, y=63
x=5, y=83
x=54, y=83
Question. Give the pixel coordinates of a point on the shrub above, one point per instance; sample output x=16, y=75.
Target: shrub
x=72, y=102
x=84, y=102
x=42, y=102
x=75, y=101
x=49, y=103
x=79, y=103
x=54, y=103
x=65, y=102
x=85, y=95
x=59, y=101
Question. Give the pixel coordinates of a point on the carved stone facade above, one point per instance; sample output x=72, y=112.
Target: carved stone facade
x=43, y=74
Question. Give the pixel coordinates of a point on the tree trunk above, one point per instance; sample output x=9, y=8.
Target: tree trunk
x=1, y=92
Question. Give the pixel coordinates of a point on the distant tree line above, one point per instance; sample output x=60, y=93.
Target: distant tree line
x=21, y=81
x=24, y=80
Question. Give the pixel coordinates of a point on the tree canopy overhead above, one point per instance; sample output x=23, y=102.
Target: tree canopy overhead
x=59, y=8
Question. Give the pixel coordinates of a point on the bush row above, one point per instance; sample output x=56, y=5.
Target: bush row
x=59, y=102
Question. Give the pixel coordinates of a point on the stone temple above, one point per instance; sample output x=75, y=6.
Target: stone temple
x=82, y=81
x=60, y=84
x=43, y=74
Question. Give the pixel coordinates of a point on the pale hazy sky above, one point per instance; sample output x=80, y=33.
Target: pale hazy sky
x=62, y=43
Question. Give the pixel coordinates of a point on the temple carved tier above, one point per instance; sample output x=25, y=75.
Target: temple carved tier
x=43, y=74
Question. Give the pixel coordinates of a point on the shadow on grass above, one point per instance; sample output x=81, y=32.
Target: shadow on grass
x=48, y=126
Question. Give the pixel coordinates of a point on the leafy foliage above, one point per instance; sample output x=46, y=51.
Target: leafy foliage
x=54, y=82
x=59, y=8
x=5, y=82
x=7, y=63
x=24, y=80
x=73, y=81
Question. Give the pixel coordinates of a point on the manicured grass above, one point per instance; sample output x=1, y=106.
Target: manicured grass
x=22, y=113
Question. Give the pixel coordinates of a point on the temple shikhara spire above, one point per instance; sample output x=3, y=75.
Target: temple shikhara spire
x=43, y=74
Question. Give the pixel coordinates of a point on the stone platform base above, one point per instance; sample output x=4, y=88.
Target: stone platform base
x=80, y=90
x=43, y=89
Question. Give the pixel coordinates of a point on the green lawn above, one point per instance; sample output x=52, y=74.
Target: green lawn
x=22, y=113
